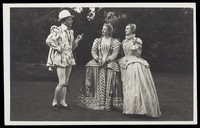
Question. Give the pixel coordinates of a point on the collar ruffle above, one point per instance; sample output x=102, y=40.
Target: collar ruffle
x=130, y=37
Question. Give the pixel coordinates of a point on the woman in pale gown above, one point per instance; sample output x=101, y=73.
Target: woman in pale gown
x=139, y=92
x=102, y=87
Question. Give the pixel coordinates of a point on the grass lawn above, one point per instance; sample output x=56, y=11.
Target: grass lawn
x=32, y=92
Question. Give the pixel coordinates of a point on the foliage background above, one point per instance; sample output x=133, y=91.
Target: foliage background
x=167, y=34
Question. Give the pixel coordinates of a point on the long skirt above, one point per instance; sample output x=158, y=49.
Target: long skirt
x=139, y=92
x=101, y=89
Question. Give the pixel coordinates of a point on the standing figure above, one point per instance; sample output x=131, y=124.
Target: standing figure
x=139, y=92
x=101, y=88
x=61, y=42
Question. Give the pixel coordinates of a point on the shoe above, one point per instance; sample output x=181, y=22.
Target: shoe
x=66, y=107
x=55, y=107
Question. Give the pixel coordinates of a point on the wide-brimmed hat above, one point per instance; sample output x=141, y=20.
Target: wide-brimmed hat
x=64, y=14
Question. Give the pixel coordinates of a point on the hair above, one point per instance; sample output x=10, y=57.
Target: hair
x=62, y=20
x=110, y=28
x=133, y=27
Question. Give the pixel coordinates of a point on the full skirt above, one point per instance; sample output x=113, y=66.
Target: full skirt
x=139, y=92
x=101, y=89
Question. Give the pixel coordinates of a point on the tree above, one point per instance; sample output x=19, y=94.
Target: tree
x=167, y=33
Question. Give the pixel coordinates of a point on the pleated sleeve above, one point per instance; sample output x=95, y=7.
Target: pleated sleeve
x=94, y=50
x=115, y=50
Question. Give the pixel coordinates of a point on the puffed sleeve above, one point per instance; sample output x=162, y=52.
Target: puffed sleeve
x=115, y=52
x=137, y=46
x=53, y=36
x=94, y=49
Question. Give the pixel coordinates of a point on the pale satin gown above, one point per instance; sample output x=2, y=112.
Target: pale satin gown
x=139, y=92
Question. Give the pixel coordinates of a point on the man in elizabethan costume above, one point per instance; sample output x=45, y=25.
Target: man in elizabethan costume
x=61, y=42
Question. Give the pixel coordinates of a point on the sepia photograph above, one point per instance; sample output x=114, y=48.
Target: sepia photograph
x=99, y=63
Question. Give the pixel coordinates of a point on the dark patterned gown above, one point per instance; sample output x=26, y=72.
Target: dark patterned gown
x=102, y=88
